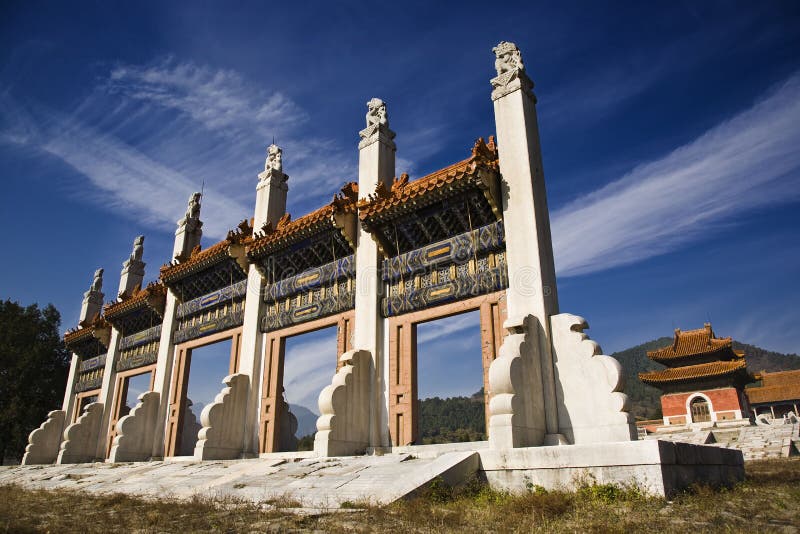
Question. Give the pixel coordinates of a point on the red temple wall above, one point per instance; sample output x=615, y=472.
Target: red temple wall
x=722, y=400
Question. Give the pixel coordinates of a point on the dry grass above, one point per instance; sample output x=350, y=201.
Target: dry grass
x=768, y=501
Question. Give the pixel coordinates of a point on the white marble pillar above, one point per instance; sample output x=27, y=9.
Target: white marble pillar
x=376, y=163
x=69, y=396
x=270, y=207
x=131, y=277
x=187, y=236
x=91, y=306
x=106, y=397
x=529, y=250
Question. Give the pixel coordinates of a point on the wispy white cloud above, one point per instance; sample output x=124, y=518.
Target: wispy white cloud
x=124, y=179
x=443, y=328
x=310, y=364
x=245, y=118
x=747, y=162
x=219, y=99
x=160, y=130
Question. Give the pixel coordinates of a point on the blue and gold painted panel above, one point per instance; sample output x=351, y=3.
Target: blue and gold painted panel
x=281, y=315
x=140, y=338
x=91, y=379
x=463, y=266
x=88, y=364
x=211, y=324
x=323, y=275
x=314, y=293
x=138, y=356
x=210, y=313
x=210, y=300
x=459, y=288
x=457, y=249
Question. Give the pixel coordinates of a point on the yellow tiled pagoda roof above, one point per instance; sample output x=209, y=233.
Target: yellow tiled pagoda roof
x=692, y=343
x=693, y=372
x=776, y=387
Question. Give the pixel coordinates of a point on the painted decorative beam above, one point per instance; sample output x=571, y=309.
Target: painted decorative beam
x=458, y=249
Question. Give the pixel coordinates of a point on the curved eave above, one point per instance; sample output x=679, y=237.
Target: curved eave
x=100, y=331
x=172, y=274
x=152, y=297
x=233, y=246
x=415, y=196
x=703, y=371
x=338, y=216
x=724, y=352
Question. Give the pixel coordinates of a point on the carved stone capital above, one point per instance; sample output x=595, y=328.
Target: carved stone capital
x=510, y=81
x=376, y=133
x=133, y=267
x=91, y=306
x=189, y=225
x=273, y=177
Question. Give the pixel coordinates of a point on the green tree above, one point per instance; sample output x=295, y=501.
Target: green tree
x=33, y=372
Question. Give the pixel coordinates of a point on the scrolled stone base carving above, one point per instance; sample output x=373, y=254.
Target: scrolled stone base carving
x=222, y=435
x=516, y=408
x=135, y=431
x=343, y=426
x=44, y=442
x=589, y=384
x=80, y=438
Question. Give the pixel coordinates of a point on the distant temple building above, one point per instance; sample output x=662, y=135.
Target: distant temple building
x=704, y=380
x=777, y=396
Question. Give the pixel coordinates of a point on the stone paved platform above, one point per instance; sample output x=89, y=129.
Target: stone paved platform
x=657, y=467
x=313, y=483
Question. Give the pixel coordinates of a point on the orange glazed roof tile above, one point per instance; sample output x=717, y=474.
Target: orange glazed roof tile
x=691, y=343
x=776, y=387
x=154, y=295
x=484, y=156
x=692, y=372
x=202, y=259
x=99, y=328
x=288, y=231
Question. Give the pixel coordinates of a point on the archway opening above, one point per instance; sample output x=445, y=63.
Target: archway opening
x=308, y=366
x=701, y=410
x=208, y=366
x=133, y=387
x=450, y=380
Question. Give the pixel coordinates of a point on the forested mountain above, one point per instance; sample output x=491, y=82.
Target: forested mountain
x=452, y=420
x=759, y=359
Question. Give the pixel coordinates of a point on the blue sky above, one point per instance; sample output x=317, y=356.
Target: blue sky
x=669, y=130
